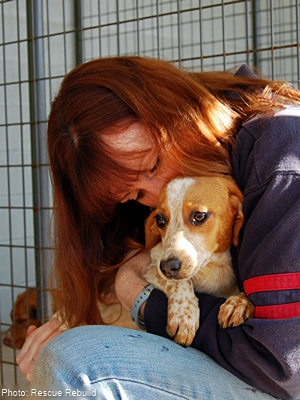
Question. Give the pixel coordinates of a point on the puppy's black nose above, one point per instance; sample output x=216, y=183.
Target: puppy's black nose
x=170, y=267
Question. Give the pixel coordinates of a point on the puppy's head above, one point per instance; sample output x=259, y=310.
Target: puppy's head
x=195, y=219
x=23, y=314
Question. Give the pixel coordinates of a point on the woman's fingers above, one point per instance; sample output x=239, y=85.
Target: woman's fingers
x=31, y=329
x=37, y=338
x=28, y=373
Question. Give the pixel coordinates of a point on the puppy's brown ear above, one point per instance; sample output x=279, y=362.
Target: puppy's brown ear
x=236, y=201
x=152, y=235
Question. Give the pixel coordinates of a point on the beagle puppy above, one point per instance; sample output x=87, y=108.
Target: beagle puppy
x=190, y=234
x=23, y=314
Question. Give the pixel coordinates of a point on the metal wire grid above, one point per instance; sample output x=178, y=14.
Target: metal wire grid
x=207, y=34
x=41, y=40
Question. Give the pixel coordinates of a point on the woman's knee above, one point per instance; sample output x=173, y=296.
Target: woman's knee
x=121, y=360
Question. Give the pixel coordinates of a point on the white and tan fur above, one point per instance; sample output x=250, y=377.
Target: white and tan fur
x=190, y=234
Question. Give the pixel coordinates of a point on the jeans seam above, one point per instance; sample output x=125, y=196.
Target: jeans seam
x=141, y=383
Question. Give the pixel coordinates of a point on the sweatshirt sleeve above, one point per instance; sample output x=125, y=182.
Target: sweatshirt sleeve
x=264, y=351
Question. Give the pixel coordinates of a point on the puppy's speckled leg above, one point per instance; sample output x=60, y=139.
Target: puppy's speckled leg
x=183, y=306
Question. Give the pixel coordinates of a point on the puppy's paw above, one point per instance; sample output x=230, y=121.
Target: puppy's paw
x=183, y=319
x=235, y=311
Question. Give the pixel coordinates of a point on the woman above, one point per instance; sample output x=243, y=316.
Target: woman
x=119, y=129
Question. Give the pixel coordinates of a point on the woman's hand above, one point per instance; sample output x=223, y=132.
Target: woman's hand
x=129, y=280
x=36, y=340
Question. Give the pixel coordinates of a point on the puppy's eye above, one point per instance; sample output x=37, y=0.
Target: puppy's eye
x=160, y=221
x=199, y=217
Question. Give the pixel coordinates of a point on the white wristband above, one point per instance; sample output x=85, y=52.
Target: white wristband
x=139, y=301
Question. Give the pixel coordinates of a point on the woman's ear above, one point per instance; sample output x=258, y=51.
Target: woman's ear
x=152, y=235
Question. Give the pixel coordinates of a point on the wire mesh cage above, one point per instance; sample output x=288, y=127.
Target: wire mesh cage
x=41, y=40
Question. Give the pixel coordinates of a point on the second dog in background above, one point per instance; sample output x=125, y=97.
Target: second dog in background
x=23, y=314
x=190, y=234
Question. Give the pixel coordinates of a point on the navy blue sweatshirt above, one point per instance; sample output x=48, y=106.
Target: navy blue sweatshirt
x=264, y=351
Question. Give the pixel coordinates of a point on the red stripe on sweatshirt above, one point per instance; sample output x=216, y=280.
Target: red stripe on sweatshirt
x=265, y=283
x=279, y=311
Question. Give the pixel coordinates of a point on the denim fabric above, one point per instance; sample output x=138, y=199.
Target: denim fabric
x=125, y=364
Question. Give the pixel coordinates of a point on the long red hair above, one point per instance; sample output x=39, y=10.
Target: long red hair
x=192, y=119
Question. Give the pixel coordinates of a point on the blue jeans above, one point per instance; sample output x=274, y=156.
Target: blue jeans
x=126, y=364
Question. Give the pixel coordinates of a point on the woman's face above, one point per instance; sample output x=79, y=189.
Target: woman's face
x=146, y=188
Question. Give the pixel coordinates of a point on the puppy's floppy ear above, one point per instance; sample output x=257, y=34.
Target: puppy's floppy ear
x=236, y=201
x=152, y=235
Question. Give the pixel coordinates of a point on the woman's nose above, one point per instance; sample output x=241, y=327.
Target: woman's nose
x=149, y=200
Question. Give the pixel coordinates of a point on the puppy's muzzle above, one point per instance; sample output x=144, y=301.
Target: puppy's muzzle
x=170, y=267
